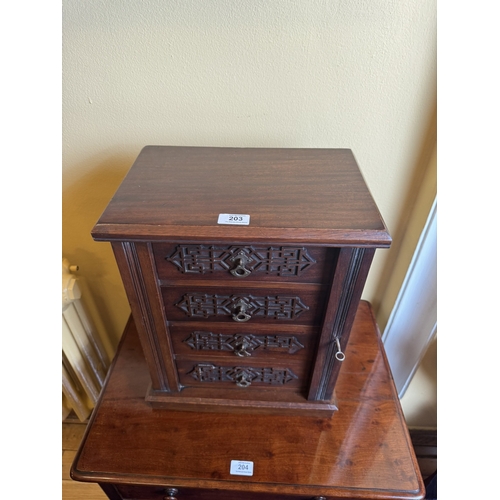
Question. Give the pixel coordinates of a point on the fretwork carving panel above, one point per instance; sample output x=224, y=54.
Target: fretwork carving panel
x=243, y=376
x=279, y=261
x=208, y=341
x=204, y=305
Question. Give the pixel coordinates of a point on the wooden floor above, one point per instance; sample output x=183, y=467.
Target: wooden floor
x=424, y=442
x=72, y=434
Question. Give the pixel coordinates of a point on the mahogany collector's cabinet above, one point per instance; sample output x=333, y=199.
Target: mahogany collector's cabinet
x=244, y=268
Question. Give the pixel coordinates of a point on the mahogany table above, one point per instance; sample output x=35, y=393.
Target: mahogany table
x=364, y=451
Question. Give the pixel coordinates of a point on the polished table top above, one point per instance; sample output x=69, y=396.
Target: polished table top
x=363, y=451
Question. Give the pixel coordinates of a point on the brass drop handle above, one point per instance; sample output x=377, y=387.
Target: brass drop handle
x=241, y=349
x=240, y=271
x=243, y=380
x=240, y=315
x=171, y=492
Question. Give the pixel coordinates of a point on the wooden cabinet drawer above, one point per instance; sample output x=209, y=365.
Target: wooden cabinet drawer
x=244, y=262
x=243, y=373
x=223, y=340
x=297, y=304
x=131, y=492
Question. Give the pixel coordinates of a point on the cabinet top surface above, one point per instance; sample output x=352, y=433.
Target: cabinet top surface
x=363, y=451
x=290, y=194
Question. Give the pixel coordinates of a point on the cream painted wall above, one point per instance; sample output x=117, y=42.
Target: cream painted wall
x=406, y=243
x=356, y=74
x=419, y=403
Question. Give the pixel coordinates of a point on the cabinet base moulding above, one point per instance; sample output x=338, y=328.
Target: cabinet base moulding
x=192, y=399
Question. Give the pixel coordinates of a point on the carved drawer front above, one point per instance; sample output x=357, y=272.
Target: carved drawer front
x=222, y=340
x=302, y=305
x=242, y=373
x=244, y=262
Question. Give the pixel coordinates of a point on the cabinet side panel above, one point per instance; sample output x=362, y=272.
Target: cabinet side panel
x=143, y=311
x=347, y=287
x=147, y=263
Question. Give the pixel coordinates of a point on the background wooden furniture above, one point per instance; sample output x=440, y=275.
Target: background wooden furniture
x=363, y=451
x=218, y=307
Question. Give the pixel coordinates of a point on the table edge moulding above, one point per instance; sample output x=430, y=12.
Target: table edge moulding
x=296, y=265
